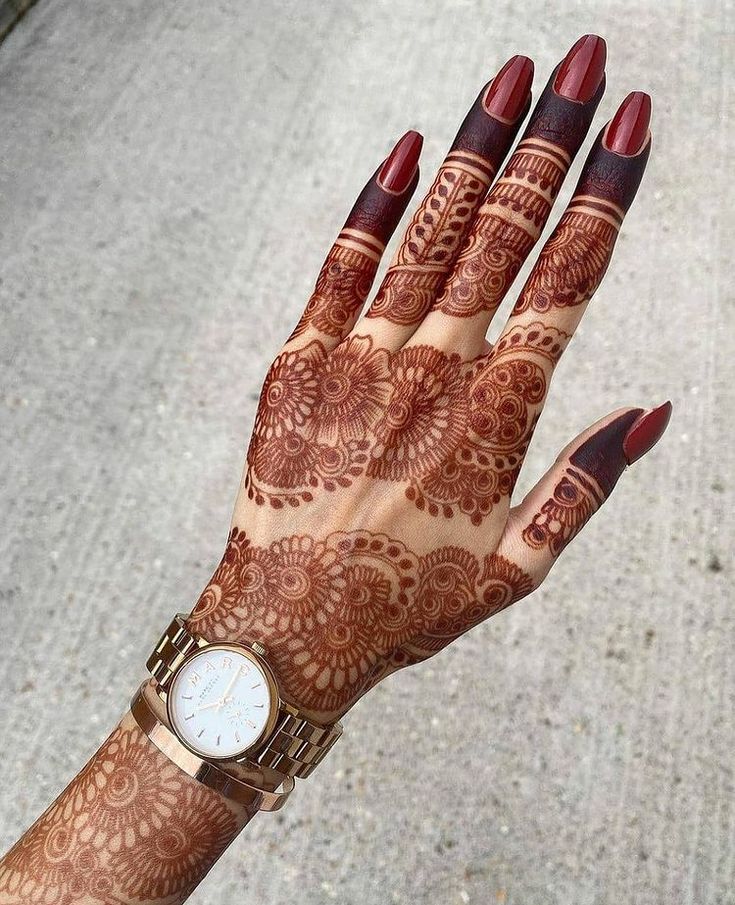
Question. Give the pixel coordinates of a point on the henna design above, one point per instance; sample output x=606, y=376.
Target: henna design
x=130, y=826
x=587, y=481
x=505, y=392
x=335, y=613
x=343, y=284
x=575, y=258
x=425, y=417
x=562, y=516
x=433, y=239
x=455, y=433
x=507, y=226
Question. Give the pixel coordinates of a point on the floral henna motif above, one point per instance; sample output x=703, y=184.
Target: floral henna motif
x=426, y=416
x=433, y=239
x=455, y=433
x=334, y=613
x=505, y=392
x=130, y=827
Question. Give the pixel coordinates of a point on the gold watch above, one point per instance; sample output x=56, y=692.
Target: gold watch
x=223, y=705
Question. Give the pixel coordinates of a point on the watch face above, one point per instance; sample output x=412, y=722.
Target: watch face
x=220, y=701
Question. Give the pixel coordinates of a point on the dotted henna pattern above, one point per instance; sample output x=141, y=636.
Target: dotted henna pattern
x=433, y=239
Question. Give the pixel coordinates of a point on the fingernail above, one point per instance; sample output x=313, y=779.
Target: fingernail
x=508, y=94
x=582, y=69
x=628, y=129
x=645, y=432
x=401, y=164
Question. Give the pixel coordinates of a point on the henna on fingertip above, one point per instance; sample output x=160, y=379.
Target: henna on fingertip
x=574, y=260
x=435, y=234
x=347, y=275
x=512, y=217
x=583, y=478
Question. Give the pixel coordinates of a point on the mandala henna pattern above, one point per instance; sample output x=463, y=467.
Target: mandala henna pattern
x=130, y=827
x=453, y=433
x=334, y=613
x=432, y=241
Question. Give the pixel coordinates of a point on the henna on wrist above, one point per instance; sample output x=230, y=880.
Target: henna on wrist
x=131, y=827
x=333, y=612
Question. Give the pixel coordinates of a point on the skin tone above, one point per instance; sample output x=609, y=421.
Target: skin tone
x=374, y=523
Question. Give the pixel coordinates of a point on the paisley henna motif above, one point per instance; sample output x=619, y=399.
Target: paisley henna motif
x=335, y=613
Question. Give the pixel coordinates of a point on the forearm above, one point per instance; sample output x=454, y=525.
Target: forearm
x=130, y=828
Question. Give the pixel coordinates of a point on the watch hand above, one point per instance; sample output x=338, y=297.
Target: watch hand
x=234, y=679
x=216, y=703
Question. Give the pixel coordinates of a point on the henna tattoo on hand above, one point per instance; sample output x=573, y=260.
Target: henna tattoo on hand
x=131, y=827
x=453, y=433
x=335, y=613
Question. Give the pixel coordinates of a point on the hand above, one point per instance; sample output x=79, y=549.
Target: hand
x=374, y=523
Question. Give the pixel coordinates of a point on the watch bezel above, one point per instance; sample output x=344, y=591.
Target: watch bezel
x=270, y=725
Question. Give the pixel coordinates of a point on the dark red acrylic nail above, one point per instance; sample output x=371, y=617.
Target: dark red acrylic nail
x=401, y=164
x=510, y=90
x=628, y=129
x=646, y=431
x=582, y=69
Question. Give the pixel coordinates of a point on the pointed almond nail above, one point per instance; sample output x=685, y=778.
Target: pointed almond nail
x=628, y=129
x=401, y=164
x=510, y=90
x=582, y=69
x=645, y=432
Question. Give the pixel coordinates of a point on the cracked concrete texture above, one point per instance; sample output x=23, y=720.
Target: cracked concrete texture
x=171, y=175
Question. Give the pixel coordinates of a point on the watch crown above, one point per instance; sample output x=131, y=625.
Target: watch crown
x=257, y=648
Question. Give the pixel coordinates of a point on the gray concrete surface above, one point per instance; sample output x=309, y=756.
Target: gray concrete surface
x=171, y=175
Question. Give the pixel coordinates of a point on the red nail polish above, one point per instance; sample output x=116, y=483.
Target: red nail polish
x=582, y=69
x=645, y=432
x=628, y=129
x=508, y=94
x=401, y=164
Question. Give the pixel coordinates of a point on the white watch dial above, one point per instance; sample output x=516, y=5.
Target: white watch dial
x=220, y=702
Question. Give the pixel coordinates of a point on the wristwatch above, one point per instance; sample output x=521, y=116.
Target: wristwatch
x=222, y=704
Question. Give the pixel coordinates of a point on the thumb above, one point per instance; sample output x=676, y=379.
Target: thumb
x=578, y=483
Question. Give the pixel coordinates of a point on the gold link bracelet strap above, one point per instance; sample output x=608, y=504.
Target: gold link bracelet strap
x=205, y=772
x=295, y=747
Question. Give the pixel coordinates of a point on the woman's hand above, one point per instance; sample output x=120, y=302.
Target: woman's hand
x=374, y=523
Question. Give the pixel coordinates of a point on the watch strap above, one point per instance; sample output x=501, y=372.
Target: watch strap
x=295, y=746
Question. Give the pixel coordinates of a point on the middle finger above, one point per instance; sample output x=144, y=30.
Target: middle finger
x=514, y=214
